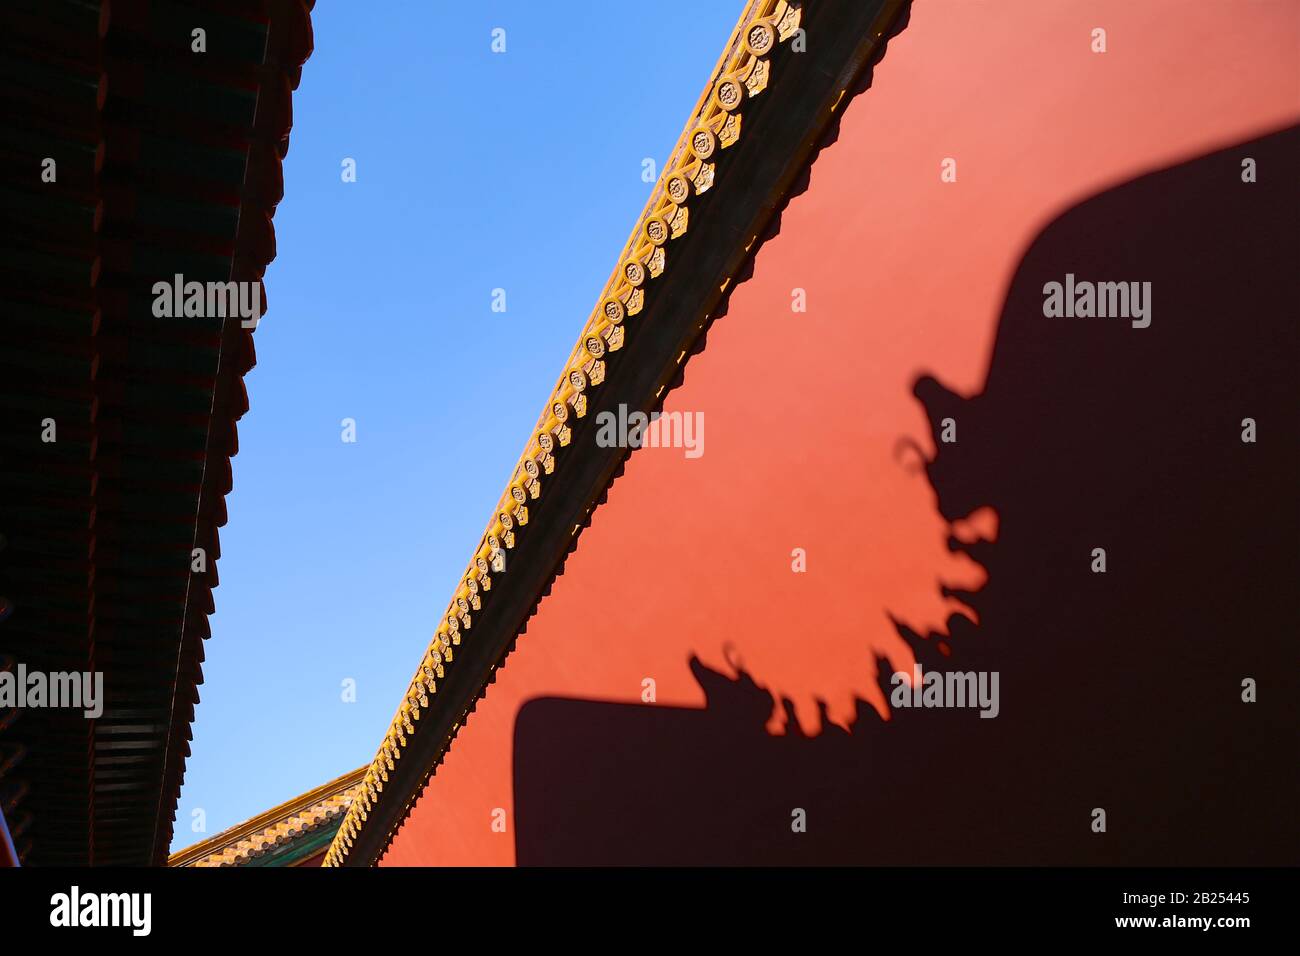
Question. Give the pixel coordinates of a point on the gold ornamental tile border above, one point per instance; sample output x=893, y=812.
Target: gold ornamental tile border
x=742, y=72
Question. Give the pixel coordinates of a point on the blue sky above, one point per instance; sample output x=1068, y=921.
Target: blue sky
x=475, y=171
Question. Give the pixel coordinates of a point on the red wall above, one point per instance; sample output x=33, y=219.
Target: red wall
x=811, y=417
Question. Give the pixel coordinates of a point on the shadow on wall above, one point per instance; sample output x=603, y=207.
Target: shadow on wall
x=1119, y=690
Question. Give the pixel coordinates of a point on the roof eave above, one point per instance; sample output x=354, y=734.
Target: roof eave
x=661, y=321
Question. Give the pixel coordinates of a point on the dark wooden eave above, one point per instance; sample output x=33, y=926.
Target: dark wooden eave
x=169, y=161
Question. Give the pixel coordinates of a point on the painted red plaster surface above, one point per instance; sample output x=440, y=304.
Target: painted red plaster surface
x=812, y=435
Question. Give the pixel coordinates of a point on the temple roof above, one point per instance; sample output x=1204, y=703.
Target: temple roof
x=166, y=160
x=295, y=833
x=782, y=75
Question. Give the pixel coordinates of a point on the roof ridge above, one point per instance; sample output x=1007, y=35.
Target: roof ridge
x=743, y=71
x=244, y=833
